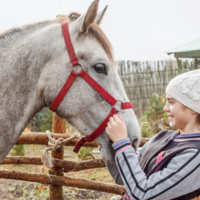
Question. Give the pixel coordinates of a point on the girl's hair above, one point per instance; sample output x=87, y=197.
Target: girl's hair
x=198, y=119
x=198, y=115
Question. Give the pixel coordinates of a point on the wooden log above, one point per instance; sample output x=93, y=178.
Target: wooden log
x=143, y=141
x=56, y=191
x=63, y=181
x=66, y=164
x=22, y=160
x=41, y=138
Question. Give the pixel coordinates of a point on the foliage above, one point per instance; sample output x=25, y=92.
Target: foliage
x=18, y=150
x=154, y=119
x=85, y=153
x=146, y=129
x=185, y=66
x=46, y=120
x=42, y=121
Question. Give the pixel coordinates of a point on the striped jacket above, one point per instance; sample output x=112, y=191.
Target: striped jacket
x=167, y=167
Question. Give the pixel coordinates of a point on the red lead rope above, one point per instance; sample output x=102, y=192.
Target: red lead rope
x=92, y=83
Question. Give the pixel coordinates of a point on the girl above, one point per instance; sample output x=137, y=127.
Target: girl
x=168, y=166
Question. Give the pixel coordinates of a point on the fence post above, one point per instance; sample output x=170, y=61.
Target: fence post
x=55, y=191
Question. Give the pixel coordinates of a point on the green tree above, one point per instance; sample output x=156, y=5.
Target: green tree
x=42, y=121
x=85, y=153
x=154, y=119
x=18, y=150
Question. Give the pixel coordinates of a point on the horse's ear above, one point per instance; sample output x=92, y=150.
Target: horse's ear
x=90, y=16
x=100, y=15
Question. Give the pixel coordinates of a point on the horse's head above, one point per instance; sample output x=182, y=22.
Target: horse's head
x=83, y=107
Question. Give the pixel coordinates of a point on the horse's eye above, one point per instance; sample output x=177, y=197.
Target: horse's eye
x=100, y=68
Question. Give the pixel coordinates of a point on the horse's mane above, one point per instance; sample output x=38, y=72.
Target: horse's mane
x=9, y=36
x=16, y=33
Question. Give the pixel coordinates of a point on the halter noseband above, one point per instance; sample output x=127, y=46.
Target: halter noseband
x=92, y=83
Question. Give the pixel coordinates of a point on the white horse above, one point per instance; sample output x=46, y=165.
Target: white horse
x=34, y=65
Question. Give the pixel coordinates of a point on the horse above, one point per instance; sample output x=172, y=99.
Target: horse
x=34, y=65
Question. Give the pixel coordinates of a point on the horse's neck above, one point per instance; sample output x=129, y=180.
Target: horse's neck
x=20, y=69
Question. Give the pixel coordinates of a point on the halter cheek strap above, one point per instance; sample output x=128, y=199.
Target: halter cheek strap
x=83, y=74
x=69, y=45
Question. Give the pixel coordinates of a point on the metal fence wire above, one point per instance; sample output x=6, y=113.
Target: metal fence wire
x=142, y=78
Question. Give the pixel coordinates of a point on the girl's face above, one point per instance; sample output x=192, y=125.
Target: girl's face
x=179, y=115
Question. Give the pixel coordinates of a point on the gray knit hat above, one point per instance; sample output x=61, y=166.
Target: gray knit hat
x=186, y=89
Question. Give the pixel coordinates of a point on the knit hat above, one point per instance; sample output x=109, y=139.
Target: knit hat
x=186, y=89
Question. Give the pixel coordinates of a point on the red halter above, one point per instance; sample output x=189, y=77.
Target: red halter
x=92, y=83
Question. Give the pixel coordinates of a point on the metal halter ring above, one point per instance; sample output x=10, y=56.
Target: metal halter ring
x=116, y=108
x=79, y=65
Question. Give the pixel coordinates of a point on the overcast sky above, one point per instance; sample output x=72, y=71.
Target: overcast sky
x=137, y=29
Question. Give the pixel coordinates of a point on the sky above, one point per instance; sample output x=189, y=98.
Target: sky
x=139, y=30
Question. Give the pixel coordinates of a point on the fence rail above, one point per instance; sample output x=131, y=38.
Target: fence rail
x=65, y=164
x=42, y=139
x=63, y=181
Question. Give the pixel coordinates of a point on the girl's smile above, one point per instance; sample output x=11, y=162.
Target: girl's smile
x=170, y=117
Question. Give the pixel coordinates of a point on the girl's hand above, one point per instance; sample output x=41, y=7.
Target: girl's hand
x=116, y=128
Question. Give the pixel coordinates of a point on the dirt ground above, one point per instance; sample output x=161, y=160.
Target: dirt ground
x=18, y=190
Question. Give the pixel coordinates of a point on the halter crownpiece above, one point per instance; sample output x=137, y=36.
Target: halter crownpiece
x=83, y=74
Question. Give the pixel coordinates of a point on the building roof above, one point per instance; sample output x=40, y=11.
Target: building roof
x=189, y=50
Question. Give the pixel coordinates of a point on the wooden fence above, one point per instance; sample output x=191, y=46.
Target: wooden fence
x=141, y=79
x=56, y=178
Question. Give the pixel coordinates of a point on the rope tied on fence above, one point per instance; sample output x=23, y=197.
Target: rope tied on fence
x=52, y=145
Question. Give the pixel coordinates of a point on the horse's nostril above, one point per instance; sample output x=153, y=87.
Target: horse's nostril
x=110, y=141
x=134, y=144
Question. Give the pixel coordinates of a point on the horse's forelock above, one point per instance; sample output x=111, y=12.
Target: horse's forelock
x=95, y=31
